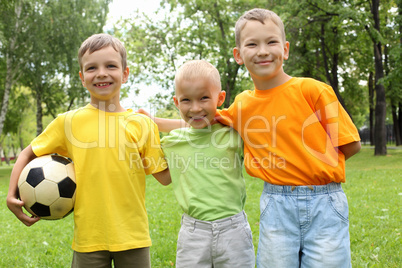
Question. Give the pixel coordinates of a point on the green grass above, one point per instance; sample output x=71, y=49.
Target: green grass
x=374, y=190
x=373, y=187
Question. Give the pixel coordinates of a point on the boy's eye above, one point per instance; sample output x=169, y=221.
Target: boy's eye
x=90, y=68
x=204, y=98
x=183, y=100
x=250, y=45
x=112, y=66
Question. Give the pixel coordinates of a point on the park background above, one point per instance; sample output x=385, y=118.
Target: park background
x=354, y=46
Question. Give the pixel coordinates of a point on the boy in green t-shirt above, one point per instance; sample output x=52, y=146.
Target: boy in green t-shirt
x=205, y=162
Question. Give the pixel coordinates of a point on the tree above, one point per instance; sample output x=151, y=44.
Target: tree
x=322, y=36
x=380, y=139
x=330, y=41
x=13, y=29
x=192, y=30
x=393, y=66
x=51, y=71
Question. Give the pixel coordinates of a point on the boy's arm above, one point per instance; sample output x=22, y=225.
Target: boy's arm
x=350, y=149
x=13, y=203
x=164, y=124
x=163, y=177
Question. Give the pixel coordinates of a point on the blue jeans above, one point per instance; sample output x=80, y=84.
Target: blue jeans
x=224, y=243
x=304, y=226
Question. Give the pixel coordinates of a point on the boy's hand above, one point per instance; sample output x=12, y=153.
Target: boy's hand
x=144, y=112
x=15, y=205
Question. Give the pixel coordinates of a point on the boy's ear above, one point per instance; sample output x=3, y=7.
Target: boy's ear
x=82, y=78
x=125, y=75
x=221, y=97
x=236, y=55
x=286, y=50
x=176, y=101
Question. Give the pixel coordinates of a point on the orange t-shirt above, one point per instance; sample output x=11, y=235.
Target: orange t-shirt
x=291, y=132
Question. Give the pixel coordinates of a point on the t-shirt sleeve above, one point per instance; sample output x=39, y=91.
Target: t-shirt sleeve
x=228, y=116
x=151, y=153
x=52, y=139
x=335, y=120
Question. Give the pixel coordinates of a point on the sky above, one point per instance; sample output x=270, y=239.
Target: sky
x=123, y=9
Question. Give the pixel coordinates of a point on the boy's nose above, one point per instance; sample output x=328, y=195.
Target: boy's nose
x=102, y=72
x=195, y=107
x=263, y=51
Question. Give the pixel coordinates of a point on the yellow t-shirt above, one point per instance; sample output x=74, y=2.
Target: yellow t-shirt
x=291, y=132
x=112, y=153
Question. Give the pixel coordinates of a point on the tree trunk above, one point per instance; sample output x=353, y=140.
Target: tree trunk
x=39, y=112
x=371, y=105
x=380, y=137
x=20, y=139
x=400, y=120
x=332, y=71
x=11, y=69
x=395, y=121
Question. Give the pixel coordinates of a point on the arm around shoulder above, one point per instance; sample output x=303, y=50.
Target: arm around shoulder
x=164, y=124
x=350, y=149
x=13, y=203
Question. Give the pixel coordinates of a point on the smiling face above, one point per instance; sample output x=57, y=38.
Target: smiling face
x=103, y=74
x=263, y=51
x=197, y=100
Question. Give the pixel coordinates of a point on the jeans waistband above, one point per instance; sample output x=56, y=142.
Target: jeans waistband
x=225, y=223
x=305, y=189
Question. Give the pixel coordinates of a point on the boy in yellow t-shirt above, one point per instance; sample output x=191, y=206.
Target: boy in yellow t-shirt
x=113, y=149
x=296, y=139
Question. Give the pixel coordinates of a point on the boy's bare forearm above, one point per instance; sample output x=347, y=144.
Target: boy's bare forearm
x=164, y=124
x=13, y=203
x=350, y=149
x=167, y=125
x=23, y=159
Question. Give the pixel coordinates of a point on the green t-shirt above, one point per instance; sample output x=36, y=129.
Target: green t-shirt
x=206, y=168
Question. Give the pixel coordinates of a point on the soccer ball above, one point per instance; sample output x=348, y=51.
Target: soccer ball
x=47, y=187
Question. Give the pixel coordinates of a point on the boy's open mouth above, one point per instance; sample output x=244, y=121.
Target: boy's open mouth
x=198, y=118
x=102, y=84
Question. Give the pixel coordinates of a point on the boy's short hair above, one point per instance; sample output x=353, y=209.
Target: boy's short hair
x=260, y=15
x=198, y=69
x=99, y=41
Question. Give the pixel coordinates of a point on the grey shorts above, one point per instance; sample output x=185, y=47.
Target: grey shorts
x=222, y=243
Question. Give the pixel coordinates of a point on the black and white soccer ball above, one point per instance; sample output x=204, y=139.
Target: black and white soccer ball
x=47, y=187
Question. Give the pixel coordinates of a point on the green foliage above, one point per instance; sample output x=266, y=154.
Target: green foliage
x=190, y=30
x=330, y=41
x=40, y=40
x=373, y=187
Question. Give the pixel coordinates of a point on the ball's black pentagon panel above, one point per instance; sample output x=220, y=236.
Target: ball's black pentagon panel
x=67, y=188
x=35, y=176
x=40, y=210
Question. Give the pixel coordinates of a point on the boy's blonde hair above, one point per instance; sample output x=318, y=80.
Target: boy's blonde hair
x=198, y=69
x=99, y=41
x=260, y=15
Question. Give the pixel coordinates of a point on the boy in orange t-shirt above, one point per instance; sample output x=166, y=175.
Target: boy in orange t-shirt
x=297, y=137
